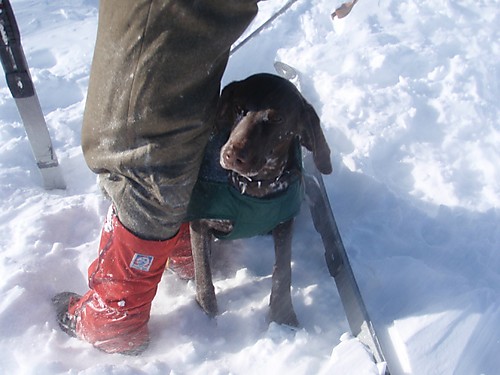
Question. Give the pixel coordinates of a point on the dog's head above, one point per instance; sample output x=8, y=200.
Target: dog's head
x=264, y=114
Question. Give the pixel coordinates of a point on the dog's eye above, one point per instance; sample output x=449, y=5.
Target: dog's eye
x=276, y=119
x=240, y=111
x=274, y=116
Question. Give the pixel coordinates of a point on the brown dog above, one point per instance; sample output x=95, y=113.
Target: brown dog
x=261, y=123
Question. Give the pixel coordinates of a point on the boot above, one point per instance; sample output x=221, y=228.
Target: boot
x=181, y=261
x=123, y=280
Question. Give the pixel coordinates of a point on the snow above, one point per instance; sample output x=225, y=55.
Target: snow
x=407, y=92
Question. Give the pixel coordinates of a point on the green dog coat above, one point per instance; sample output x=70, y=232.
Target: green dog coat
x=214, y=197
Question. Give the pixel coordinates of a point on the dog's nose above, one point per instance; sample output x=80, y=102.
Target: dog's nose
x=233, y=157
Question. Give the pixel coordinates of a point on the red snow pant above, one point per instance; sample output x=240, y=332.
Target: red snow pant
x=123, y=280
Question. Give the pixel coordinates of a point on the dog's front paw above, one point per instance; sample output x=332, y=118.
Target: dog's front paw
x=208, y=303
x=284, y=316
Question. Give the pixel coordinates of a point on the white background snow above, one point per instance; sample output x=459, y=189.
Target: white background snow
x=408, y=93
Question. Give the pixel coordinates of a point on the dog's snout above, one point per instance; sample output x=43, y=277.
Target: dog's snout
x=234, y=157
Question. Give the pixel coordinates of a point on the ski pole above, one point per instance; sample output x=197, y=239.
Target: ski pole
x=267, y=23
x=21, y=86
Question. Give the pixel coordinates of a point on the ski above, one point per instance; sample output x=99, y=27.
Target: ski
x=21, y=86
x=337, y=260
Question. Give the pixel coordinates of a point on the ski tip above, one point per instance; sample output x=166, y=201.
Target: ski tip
x=285, y=70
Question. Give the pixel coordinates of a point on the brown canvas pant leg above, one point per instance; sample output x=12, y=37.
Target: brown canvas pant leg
x=152, y=94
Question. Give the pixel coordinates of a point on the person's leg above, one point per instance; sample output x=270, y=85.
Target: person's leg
x=151, y=102
x=152, y=96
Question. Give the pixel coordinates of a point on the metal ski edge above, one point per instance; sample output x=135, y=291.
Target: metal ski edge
x=336, y=257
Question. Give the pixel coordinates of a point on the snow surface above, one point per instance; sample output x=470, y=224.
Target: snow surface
x=407, y=92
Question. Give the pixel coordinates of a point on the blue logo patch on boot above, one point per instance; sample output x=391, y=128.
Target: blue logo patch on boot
x=141, y=262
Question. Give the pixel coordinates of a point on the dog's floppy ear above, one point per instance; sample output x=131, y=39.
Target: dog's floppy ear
x=312, y=138
x=225, y=114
